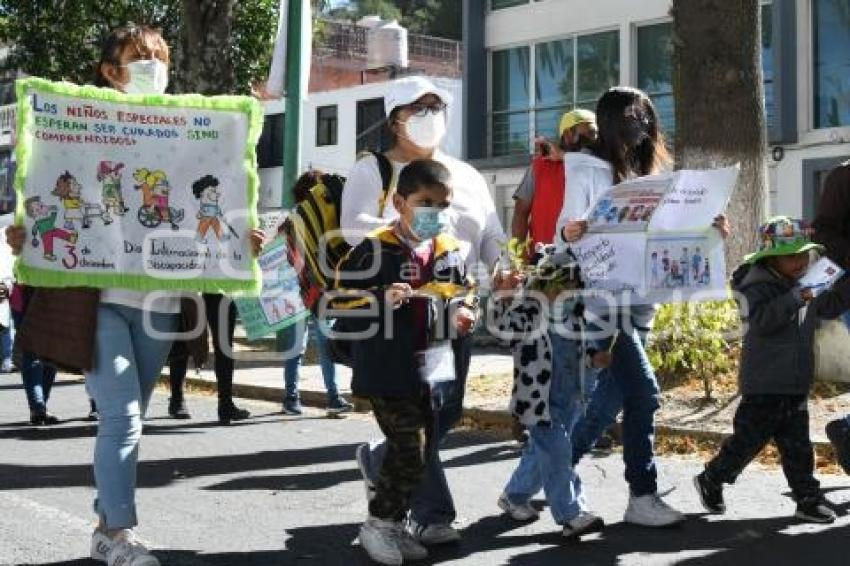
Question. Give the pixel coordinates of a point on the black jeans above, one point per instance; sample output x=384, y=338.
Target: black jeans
x=759, y=419
x=221, y=328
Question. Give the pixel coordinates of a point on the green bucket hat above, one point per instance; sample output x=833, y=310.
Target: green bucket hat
x=782, y=235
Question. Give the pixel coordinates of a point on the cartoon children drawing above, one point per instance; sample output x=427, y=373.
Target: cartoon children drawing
x=155, y=199
x=210, y=216
x=109, y=175
x=653, y=263
x=685, y=267
x=665, y=267
x=696, y=262
x=69, y=190
x=44, y=226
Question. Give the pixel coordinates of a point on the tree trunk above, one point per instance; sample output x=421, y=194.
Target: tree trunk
x=717, y=80
x=205, y=48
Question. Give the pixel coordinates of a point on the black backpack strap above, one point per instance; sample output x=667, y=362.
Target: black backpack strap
x=386, y=170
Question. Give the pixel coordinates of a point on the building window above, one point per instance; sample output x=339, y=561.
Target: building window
x=565, y=73
x=499, y=4
x=371, y=131
x=511, y=68
x=326, y=125
x=767, y=65
x=831, y=46
x=655, y=70
x=815, y=172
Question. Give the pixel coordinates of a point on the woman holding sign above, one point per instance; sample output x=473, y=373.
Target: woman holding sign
x=127, y=347
x=630, y=145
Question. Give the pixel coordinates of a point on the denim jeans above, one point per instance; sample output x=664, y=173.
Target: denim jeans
x=546, y=461
x=6, y=342
x=628, y=385
x=431, y=502
x=127, y=364
x=38, y=377
x=294, y=343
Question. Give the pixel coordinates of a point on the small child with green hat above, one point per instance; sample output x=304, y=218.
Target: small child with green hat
x=777, y=367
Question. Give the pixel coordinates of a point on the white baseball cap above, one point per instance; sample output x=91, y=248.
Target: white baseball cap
x=410, y=89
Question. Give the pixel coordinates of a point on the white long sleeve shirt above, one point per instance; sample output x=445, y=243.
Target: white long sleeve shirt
x=474, y=220
x=586, y=177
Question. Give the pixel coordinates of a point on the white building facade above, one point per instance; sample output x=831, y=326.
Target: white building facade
x=530, y=60
x=337, y=125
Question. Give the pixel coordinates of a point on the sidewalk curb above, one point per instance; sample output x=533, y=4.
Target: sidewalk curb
x=478, y=417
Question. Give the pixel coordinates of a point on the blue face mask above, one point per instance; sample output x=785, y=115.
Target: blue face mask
x=429, y=222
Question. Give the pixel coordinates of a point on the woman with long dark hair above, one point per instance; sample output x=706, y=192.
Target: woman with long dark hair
x=630, y=145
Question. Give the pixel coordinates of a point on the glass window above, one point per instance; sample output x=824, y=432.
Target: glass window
x=655, y=70
x=326, y=125
x=511, y=100
x=767, y=64
x=831, y=42
x=499, y=4
x=372, y=135
x=554, y=70
x=598, y=58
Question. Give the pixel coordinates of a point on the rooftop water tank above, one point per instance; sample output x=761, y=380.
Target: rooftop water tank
x=386, y=46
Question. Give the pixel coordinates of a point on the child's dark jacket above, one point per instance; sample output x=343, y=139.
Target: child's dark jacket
x=778, y=350
x=384, y=364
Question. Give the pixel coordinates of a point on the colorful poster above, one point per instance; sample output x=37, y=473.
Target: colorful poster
x=652, y=237
x=136, y=191
x=279, y=303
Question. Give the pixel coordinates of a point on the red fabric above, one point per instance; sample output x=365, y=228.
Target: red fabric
x=549, y=183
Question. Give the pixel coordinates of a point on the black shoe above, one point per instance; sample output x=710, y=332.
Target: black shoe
x=838, y=433
x=815, y=510
x=177, y=409
x=710, y=493
x=228, y=413
x=43, y=419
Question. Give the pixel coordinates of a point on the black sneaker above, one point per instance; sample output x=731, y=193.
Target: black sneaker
x=228, y=413
x=838, y=433
x=710, y=493
x=177, y=409
x=815, y=510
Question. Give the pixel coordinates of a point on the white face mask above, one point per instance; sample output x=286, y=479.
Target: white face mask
x=148, y=76
x=426, y=131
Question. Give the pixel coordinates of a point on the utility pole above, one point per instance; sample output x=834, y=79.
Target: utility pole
x=292, y=116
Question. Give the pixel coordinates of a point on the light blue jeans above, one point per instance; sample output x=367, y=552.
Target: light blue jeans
x=294, y=344
x=546, y=461
x=127, y=363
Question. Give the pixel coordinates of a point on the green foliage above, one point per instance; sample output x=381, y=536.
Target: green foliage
x=695, y=339
x=56, y=41
x=52, y=40
x=254, y=28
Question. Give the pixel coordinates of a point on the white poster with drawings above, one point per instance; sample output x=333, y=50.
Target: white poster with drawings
x=669, y=251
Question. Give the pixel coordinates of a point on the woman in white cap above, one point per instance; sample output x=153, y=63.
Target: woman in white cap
x=416, y=119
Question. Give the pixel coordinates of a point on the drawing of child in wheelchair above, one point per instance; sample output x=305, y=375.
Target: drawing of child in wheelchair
x=155, y=194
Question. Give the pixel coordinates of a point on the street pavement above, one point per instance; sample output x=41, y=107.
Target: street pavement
x=279, y=490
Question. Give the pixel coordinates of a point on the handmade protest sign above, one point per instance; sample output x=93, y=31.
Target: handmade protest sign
x=146, y=192
x=653, y=237
x=279, y=302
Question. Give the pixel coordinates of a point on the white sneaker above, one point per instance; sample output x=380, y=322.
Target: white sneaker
x=362, y=455
x=584, y=524
x=517, y=512
x=410, y=548
x=381, y=541
x=127, y=551
x=651, y=511
x=435, y=534
x=100, y=545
